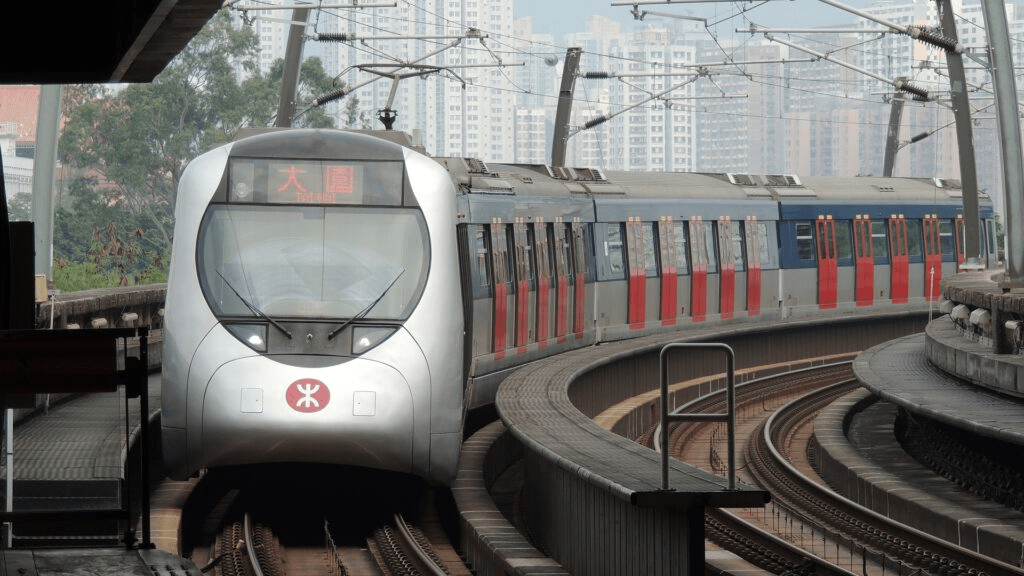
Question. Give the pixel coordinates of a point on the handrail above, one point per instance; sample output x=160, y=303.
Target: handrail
x=729, y=416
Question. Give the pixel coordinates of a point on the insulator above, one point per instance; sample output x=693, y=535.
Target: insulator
x=596, y=75
x=936, y=39
x=917, y=92
x=595, y=122
x=340, y=92
x=336, y=36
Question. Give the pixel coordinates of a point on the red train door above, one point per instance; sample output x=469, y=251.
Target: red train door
x=899, y=267
x=579, y=258
x=637, y=273
x=828, y=263
x=669, y=272
x=699, y=263
x=961, y=240
x=864, y=260
x=727, y=268
x=499, y=255
x=932, y=258
x=562, y=273
x=753, y=236
x=542, y=254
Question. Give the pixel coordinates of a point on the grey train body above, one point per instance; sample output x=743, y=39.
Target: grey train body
x=340, y=298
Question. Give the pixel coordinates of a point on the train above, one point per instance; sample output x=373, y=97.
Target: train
x=339, y=297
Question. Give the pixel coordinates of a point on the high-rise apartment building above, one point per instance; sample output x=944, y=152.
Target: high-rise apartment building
x=457, y=92
x=741, y=104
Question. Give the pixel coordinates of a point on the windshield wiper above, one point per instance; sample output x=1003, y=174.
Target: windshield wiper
x=366, y=310
x=254, y=309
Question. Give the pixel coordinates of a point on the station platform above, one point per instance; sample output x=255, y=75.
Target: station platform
x=94, y=562
x=70, y=457
x=899, y=371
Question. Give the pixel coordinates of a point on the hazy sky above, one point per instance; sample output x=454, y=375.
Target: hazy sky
x=562, y=16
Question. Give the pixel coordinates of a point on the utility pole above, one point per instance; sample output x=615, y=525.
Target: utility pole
x=892, y=140
x=564, y=111
x=292, y=64
x=1008, y=122
x=964, y=133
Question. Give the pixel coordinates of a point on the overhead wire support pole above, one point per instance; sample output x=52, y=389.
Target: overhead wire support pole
x=1008, y=123
x=964, y=138
x=292, y=65
x=563, y=113
x=902, y=85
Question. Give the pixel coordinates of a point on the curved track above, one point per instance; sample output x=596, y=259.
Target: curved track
x=874, y=534
x=811, y=524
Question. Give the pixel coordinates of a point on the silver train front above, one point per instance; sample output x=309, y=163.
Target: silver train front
x=398, y=406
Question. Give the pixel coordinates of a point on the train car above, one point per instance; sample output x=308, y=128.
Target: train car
x=309, y=312
x=873, y=242
x=337, y=298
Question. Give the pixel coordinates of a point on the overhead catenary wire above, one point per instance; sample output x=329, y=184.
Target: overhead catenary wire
x=506, y=45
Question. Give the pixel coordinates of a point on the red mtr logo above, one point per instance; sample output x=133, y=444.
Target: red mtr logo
x=308, y=395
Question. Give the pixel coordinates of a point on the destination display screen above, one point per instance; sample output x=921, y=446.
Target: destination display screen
x=288, y=181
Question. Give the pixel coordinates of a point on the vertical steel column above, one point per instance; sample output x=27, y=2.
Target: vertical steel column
x=564, y=111
x=43, y=178
x=892, y=140
x=1008, y=121
x=964, y=136
x=292, y=65
x=729, y=416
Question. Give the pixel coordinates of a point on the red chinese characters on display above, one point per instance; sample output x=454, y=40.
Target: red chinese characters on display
x=336, y=181
x=339, y=180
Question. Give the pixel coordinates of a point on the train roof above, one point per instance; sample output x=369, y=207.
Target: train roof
x=477, y=177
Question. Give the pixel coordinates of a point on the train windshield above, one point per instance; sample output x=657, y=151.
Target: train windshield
x=312, y=262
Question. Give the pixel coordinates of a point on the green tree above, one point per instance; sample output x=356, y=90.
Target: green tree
x=19, y=207
x=127, y=150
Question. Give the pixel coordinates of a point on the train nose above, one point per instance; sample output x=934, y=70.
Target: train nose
x=257, y=410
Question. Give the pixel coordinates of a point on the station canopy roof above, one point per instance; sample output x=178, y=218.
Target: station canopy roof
x=96, y=42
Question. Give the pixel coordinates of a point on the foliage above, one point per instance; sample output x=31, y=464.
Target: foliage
x=19, y=207
x=81, y=276
x=126, y=150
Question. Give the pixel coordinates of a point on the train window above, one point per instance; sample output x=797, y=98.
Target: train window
x=913, y=238
x=529, y=257
x=499, y=255
x=247, y=257
x=482, y=246
x=946, y=237
x=541, y=235
x=805, y=241
x=650, y=251
x=768, y=244
x=679, y=236
x=560, y=250
x=580, y=241
x=879, y=241
x=709, y=249
x=614, y=234
x=844, y=241
x=738, y=254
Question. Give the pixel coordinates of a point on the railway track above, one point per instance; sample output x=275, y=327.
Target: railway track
x=251, y=548
x=807, y=528
x=251, y=532
x=890, y=542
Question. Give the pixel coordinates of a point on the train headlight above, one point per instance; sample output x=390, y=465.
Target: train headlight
x=253, y=335
x=366, y=337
